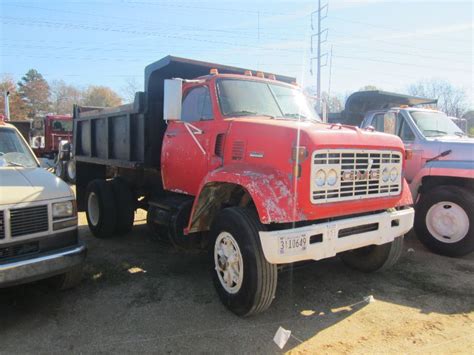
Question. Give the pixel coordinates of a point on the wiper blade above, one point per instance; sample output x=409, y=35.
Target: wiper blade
x=12, y=163
x=294, y=115
x=248, y=113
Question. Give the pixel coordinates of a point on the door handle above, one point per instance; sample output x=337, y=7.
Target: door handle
x=171, y=134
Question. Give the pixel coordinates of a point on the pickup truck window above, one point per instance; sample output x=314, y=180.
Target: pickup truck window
x=435, y=124
x=13, y=151
x=254, y=98
x=197, y=105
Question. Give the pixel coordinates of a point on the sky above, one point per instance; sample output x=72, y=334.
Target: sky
x=389, y=44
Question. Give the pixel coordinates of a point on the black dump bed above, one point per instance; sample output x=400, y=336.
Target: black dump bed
x=361, y=102
x=131, y=135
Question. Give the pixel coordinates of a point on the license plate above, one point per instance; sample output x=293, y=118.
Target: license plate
x=293, y=244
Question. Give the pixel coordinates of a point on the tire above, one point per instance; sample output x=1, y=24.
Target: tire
x=444, y=220
x=125, y=203
x=71, y=171
x=254, y=289
x=101, y=209
x=69, y=280
x=374, y=257
x=59, y=170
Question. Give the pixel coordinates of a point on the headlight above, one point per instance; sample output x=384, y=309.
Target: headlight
x=385, y=175
x=320, y=178
x=393, y=174
x=332, y=177
x=63, y=209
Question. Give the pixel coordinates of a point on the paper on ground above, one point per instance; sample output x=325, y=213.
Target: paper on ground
x=281, y=337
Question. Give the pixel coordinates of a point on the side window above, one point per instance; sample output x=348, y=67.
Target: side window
x=197, y=105
x=405, y=132
x=377, y=122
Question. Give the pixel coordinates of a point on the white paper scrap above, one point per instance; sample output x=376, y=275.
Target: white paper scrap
x=281, y=337
x=369, y=299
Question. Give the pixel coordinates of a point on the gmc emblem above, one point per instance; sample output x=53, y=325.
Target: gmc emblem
x=360, y=175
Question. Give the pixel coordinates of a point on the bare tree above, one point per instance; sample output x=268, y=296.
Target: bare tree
x=63, y=97
x=130, y=88
x=451, y=100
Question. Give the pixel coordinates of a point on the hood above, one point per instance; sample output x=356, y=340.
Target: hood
x=317, y=134
x=19, y=185
x=462, y=148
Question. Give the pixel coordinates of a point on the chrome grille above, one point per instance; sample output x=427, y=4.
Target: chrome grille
x=2, y=225
x=360, y=174
x=28, y=220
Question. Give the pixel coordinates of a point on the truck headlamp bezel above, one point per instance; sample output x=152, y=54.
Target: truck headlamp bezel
x=320, y=178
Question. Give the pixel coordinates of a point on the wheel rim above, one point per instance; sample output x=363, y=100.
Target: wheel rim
x=71, y=170
x=447, y=222
x=59, y=169
x=93, y=208
x=228, y=262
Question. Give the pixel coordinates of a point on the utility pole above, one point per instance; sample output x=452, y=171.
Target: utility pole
x=319, y=34
x=7, y=105
x=330, y=73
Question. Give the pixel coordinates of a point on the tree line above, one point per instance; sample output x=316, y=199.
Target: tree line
x=33, y=96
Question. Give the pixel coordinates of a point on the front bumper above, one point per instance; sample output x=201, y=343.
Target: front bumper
x=42, y=266
x=337, y=236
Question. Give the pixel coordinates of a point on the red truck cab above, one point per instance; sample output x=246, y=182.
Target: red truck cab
x=47, y=133
x=244, y=164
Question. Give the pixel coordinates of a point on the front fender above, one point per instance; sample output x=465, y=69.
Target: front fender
x=442, y=168
x=269, y=189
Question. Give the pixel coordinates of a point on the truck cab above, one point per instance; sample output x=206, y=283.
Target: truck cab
x=440, y=171
x=237, y=161
x=38, y=219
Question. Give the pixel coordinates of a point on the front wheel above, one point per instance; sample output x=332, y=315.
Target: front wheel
x=444, y=220
x=374, y=257
x=101, y=210
x=71, y=171
x=244, y=280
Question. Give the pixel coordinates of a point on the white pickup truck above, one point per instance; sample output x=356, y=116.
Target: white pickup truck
x=38, y=219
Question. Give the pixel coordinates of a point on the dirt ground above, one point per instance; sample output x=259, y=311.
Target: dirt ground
x=140, y=295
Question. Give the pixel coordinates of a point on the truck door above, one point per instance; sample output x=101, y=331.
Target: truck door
x=393, y=122
x=185, y=152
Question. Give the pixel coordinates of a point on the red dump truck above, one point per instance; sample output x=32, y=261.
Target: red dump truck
x=239, y=162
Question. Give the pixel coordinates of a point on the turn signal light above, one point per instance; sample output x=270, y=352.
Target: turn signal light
x=214, y=71
x=408, y=154
x=248, y=73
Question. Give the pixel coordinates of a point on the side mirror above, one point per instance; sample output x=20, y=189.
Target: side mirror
x=389, y=122
x=173, y=96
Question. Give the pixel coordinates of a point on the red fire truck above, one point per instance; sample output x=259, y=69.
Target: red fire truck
x=50, y=138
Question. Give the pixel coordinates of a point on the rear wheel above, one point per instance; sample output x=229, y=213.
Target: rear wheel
x=244, y=280
x=374, y=257
x=125, y=203
x=444, y=220
x=101, y=208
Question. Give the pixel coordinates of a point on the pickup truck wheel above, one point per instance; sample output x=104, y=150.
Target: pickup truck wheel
x=444, y=220
x=101, y=208
x=374, y=257
x=69, y=280
x=59, y=170
x=71, y=171
x=244, y=280
x=126, y=205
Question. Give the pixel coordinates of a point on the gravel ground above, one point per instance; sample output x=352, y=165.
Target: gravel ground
x=141, y=295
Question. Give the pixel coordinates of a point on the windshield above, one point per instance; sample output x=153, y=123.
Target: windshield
x=13, y=151
x=62, y=126
x=435, y=124
x=254, y=98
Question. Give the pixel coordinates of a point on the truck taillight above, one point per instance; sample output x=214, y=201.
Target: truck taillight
x=260, y=74
x=213, y=71
x=248, y=73
x=299, y=153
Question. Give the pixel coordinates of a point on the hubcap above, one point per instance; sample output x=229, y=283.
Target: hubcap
x=71, y=170
x=447, y=222
x=228, y=262
x=93, y=208
x=59, y=169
